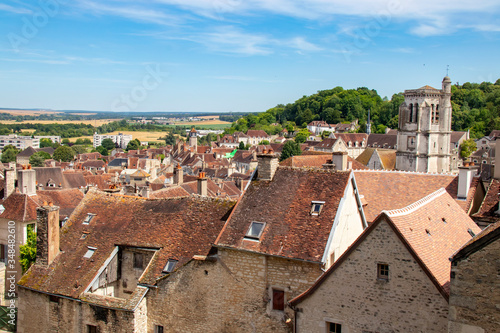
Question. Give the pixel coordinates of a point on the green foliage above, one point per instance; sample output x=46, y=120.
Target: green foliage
x=134, y=144
x=109, y=144
x=290, y=148
x=302, y=135
x=46, y=143
x=64, y=154
x=65, y=141
x=241, y=146
x=103, y=151
x=37, y=158
x=79, y=149
x=27, y=251
x=9, y=154
x=325, y=134
x=264, y=142
x=170, y=139
x=467, y=148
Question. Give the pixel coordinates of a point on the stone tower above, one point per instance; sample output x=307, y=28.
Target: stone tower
x=193, y=139
x=424, y=130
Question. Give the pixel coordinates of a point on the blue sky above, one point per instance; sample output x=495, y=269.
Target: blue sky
x=235, y=55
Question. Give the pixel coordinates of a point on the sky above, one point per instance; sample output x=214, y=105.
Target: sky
x=235, y=55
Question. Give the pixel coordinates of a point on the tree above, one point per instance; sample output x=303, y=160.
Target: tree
x=9, y=154
x=64, y=154
x=290, y=149
x=28, y=250
x=46, y=143
x=264, y=142
x=108, y=144
x=103, y=151
x=79, y=149
x=134, y=144
x=467, y=148
x=170, y=139
x=65, y=141
x=37, y=158
x=302, y=136
x=241, y=146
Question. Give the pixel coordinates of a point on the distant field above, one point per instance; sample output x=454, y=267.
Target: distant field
x=204, y=125
x=96, y=122
x=142, y=136
x=28, y=112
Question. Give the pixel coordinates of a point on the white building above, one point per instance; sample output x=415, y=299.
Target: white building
x=53, y=138
x=20, y=142
x=120, y=139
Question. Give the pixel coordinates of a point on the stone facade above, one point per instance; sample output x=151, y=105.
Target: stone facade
x=475, y=291
x=353, y=295
x=232, y=293
x=424, y=130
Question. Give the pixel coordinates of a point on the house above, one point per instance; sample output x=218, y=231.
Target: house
x=23, y=157
x=114, y=252
x=257, y=136
x=330, y=145
x=474, y=287
x=396, y=275
x=355, y=142
x=318, y=160
x=319, y=126
x=378, y=159
x=386, y=141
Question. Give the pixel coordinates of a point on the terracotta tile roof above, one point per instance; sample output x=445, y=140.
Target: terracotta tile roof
x=178, y=228
x=102, y=181
x=386, y=190
x=352, y=137
x=27, y=152
x=426, y=87
x=169, y=192
x=490, y=203
x=387, y=157
x=22, y=208
x=57, y=176
x=435, y=228
x=494, y=133
x=422, y=230
x=317, y=161
x=93, y=164
x=284, y=204
x=486, y=236
x=257, y=134
x=456, y=136
x=140, y=173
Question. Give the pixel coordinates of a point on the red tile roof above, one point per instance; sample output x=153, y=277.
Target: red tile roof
x=179, y=228
x=317, y=161
x=284, y=204
x=490, y=203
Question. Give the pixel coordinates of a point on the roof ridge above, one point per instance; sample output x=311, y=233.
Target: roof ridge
x=408, y=172
x=416, y=205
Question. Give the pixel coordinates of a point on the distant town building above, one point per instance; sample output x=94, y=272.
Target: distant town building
x=20, y=142
x=53, y=138
x=121, y=140
x=424, y=130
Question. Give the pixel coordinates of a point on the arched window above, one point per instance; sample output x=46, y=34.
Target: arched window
x=416, y=113
x=411, y=113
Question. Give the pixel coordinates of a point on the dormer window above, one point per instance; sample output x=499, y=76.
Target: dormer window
x=317, y=206
x=89, y=218
x=169, y=267
x=90, y=252
x=255, y=230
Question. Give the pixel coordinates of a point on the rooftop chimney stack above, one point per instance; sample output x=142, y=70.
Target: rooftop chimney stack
x=202, y=184
x=268, y=163
x=465, y=175
x=145, y=191
x=339, y=159
x=27, y=180
x=10, y=182
x=47, y=239
x=178, y=175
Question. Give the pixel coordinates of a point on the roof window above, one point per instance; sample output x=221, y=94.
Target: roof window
x=169, y=267
x=316, y=207
x=89, y=218
x=90, y=252
x=255, y=230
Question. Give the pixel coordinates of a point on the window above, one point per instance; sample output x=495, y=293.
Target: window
x=158, y=329
x=90, y=252
x=89, y=218
x=169, y=267
x=411, y=142
x=278, y=300
x=138, y=260
x=383, y=271
x=316, y=207
x=334, y=328
x=91, y=329
x=255, y=230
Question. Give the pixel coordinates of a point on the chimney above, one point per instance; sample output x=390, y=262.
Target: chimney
x=497, y=160
x=268, y=163
x=465, y=175
x=47, y=239
x=145, y=191
x=339, y=159
x=202, y=184
x=10, y=182
x=26, y=180
x=230, y=170
x=154, y=173
x=178, y=175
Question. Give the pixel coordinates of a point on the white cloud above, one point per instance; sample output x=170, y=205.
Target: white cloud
x=15, y=10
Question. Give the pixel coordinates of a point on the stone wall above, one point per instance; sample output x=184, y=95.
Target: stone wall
x=354, y=297
x=41, y=313
x=475, y=292
x=231, y=294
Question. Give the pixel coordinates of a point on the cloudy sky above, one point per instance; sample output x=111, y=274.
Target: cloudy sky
x=235, y=55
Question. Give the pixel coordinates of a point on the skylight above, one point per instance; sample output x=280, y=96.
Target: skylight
x=316, y=207
x=169, y=267
x=89, y=218
x=255, y=230
x=89, y=252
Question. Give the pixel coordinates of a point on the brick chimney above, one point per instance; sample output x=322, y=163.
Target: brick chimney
x=268, y=163
x=10, y=182
x=202, y=184
x=26, y=180
x=465, y=175
x=47, y=238
x=178, y=175
x=339, y=159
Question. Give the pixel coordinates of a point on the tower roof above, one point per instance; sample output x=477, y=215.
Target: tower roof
x=427, y=87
